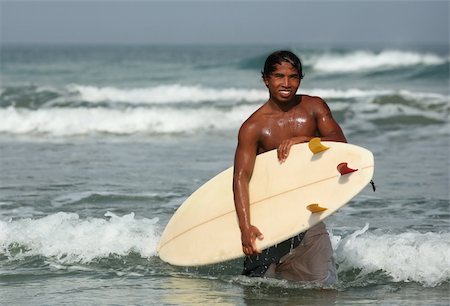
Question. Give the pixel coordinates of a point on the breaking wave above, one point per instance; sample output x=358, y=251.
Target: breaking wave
x=369, y=60
x=68, y=239
x=86, y=110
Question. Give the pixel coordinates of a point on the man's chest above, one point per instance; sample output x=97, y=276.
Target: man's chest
x=279, y=128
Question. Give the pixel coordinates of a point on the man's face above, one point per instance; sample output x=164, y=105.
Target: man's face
x=283, y=82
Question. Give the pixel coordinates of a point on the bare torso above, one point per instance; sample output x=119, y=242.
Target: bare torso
x=276, y=126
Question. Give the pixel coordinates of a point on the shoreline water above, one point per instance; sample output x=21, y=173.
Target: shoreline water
x=91, y=174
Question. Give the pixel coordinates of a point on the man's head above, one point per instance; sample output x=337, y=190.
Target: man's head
x=278, y=57
x=282, y=75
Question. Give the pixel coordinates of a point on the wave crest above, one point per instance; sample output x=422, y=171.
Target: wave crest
x=86, y=121
x=69, y=239
x=368, y=60
x=409, y=256
x=100, y=112
x=166, y=94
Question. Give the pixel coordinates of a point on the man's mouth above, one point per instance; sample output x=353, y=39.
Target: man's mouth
x=285, y=93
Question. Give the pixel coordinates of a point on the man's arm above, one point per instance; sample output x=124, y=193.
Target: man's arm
x=328, y=128
x=244, y=162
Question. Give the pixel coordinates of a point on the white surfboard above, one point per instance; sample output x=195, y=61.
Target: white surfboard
x=285, y=200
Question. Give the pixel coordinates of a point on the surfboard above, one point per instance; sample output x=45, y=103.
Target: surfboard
x=285, y=199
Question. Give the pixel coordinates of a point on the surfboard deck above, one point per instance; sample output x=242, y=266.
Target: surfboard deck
x=204, y=230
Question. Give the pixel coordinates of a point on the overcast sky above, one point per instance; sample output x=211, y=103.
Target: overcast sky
x=236, y=22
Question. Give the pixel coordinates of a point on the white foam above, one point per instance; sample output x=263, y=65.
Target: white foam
x=368, y=60
x=408, y=256
x=166, y=94
x=71, y=198
x=68, y=239
x=190, y=118
x=194, y=94
x=426, y=98
x=85, y=121
x=350, y=93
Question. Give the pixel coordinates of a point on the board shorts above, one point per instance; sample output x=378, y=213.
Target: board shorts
x=307, y=257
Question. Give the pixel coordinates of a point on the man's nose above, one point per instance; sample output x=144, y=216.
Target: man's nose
x=286, y=81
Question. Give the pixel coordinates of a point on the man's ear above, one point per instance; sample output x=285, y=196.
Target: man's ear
x=266, y=81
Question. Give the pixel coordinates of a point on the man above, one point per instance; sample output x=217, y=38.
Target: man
x=284, y=120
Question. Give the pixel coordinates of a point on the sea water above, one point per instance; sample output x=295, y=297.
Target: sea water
x=99, y=145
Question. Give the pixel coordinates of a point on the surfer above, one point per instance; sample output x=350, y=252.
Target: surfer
x=283, y=120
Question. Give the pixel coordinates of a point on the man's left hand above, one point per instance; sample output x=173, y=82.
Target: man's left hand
x=285, y=146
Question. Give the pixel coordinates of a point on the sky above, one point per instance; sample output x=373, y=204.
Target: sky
x=224, y=22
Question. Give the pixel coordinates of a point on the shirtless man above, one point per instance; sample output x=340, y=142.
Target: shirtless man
x=284, y=120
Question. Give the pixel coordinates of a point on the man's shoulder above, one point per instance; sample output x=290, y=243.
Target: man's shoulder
x=313, y=102
x=311, y=99
x=316, y=105
x=254, y=123
x=258, y=115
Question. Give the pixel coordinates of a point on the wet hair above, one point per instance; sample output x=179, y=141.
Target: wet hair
x=277, y=57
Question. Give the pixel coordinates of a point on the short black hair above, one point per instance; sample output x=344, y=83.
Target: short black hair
x=277, y=57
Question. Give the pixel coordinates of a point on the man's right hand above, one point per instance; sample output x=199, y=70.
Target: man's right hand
x=248, y=238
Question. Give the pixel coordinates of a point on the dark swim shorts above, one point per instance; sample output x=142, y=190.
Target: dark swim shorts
x=257, y=265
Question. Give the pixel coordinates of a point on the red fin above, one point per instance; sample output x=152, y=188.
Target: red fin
x=344, y=169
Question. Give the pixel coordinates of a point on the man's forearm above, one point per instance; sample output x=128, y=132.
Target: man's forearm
x=241, y=203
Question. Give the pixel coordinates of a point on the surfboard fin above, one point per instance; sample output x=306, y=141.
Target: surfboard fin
x=316, y=146
x=315, y=208
x=344, y=169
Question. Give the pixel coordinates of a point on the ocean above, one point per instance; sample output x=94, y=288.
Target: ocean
x=99, y=145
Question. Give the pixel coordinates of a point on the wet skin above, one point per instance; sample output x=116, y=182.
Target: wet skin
x=284, y=120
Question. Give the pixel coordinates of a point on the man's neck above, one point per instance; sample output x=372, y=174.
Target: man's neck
x=284, y=106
